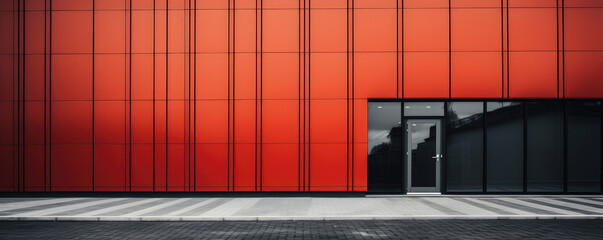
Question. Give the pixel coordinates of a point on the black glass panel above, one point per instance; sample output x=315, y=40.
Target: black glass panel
x=384, y=147
x=504, y=148
x=464, y=146
x=584, y=146
x=423, y=148
x=544, y=146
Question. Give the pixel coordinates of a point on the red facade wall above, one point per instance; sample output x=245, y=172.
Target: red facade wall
x=258, y=95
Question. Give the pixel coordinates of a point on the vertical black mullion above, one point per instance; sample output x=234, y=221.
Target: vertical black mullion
x=234, y=14
x=195, y=104
x=445, y=149
x=167, y=55
x=228, y=102
x=525, y=147
x=24, y=81
x=502, y=51
x=508, y=55
x=154, y=94
x=45, y=56
x=565, y=140
x=449, y=49
x=557, y=21
x=130, y=98
x=601, y=146
x=93, y=102
x=485, y=149
x=50, y=98
x=405, y=149
x=190, y=7
x=19, y=56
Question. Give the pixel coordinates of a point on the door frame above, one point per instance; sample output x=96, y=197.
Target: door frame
x=439, y=155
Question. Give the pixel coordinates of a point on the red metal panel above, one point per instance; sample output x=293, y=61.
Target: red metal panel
x=212, y=121
x=6, y=168
x=280, y=121
x=476, y=75
x=280, y=167
x=280, y=76
x=245, y=31
x=142, y=167
x=328, y=167
x=6, y=77
x=71, y=167
x=426, y=30
x=109, y=122
x=476, y=29
x=328, y=121
x=72, y=77
x=583, y=29
x=142, y=122
x=533, y=75
x=329, y=76
x=244, y=167
x=375, y=29
x=419, y=83
x=110, y=5
x=71, y=31
x=474, y=3
x=34, y=168
x=142, y=31
x=375, y=3
x=109, y=167
x=212, y=76
x=360, y=166
x=72, y=4
x=426, y=3
x=280, y=30
x=532, y=29
x=268, y=4
x=109, y=31
x=583, y=74
x=33, y=77
x=142, y=77
x=109, y=84
x=244, y=121
x=328, y=30
x=34, y=32
x=214, y=26
x=71, y=122
x=245, y=76
x=375, y=75
x=212, y=167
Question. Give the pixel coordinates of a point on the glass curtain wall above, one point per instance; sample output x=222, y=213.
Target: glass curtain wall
x=464, y=140
x=385, y=139
x=504, y=146
x=583, y=146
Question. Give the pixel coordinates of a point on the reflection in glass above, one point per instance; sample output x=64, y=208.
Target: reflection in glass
x=423, y=148
x=584, y=146
x=504, y=149
x=385, y=134
x=464, y=146
x=544, y=146
x=423, y=109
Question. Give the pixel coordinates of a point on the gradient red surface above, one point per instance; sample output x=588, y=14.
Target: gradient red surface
x=258, y=95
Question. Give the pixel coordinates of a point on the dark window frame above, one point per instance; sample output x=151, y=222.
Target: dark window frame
x=523, y=102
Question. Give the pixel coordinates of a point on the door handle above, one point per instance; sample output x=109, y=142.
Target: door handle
x=437, y=157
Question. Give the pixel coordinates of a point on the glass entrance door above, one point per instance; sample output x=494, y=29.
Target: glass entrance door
x=423, y=155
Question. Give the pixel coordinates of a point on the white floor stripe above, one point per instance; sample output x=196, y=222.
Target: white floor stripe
x=66, y=207
x=462, y=206
x=541, y=207
x=30, y=203
x=586, y=200
x=118, y=207
x=573, y=205
x=157, y=207
x=231, y=207
x=191, y=207
x=501, y=207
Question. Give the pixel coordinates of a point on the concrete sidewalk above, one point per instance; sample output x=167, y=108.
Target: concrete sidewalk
x=301, y=208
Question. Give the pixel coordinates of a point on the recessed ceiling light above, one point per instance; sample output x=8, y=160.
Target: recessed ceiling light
x=379, y=107
x=428, y=107
x=407, y=107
